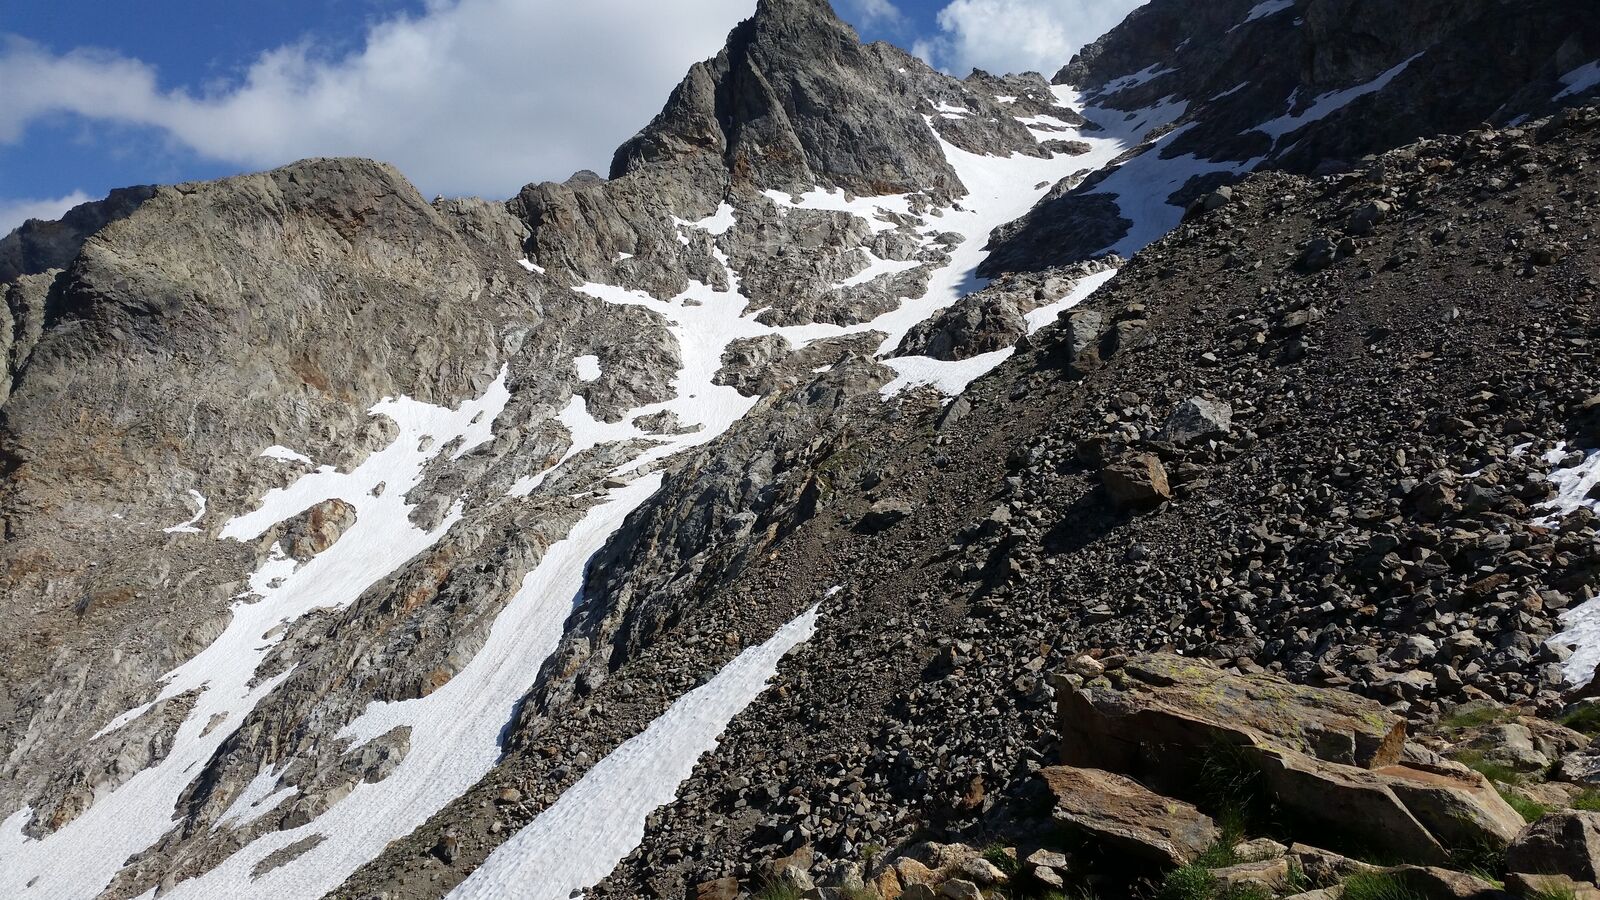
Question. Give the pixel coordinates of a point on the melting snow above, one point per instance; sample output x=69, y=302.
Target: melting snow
x=876, y=268
x=79, y=859
x=872, y=209
x=530, y=266
x=1143, y=76
x=599, y=820
x=1327, y=104
x=285, y=454
x=1573, y=485
x=1262, y=10
x=1580, y=79
x=200, y=513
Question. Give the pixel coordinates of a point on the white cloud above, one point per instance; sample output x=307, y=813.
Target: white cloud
x=877, y=12
x=1018, y=35
x=472, y=97
x=15, y=212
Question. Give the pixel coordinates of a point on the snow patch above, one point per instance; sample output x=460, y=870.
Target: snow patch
x=872, y=209
x=1263, y=10
x=285, y=454
x=200, y=513
x=599, y=820
x=1579, y=80
x=588, y=368
x=531, y=267
x=1327, y=104
x=1143, y=76
x=1573, y=484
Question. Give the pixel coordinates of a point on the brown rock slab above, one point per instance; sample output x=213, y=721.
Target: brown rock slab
x=1157, y=703
x=1128, y=816
x=719, y=889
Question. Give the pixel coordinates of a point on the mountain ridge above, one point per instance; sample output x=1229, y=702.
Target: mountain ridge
x=402, y=517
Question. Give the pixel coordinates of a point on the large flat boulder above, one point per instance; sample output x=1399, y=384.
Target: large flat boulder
x=1322, y=755
x=1128, y=720
x=1124, y=814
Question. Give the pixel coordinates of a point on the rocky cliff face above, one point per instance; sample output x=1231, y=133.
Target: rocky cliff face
x=364, y=546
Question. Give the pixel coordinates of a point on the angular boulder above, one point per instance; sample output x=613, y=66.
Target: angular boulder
x=1137, y=482
x=1561, y=843
x=1196, y=419
x=1124, y=814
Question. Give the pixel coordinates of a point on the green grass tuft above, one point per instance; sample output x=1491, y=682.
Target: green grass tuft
x=1530, y=810
x=1192, y=882
x=1475, y=716
x=1375, y=886
x=1585, y=719
x=779, y=890
x=1493, y=771
x=997, y=856
x=1587, y=799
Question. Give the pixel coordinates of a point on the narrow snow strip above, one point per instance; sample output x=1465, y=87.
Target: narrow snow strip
x=1081, y=291
x=1143, y=76
x=1581, y=79
x=876, y=268
x=531, y=267
x=1005, y=98
x=1262, y=10
x=1327, y=104
x=599, y=820
x=189, y=526
x=588, y=368
x=285, y=454
x=261, y=796
x=953, y=111
x=1233, y=90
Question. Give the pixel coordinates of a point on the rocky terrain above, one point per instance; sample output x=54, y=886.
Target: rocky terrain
x=795, y=510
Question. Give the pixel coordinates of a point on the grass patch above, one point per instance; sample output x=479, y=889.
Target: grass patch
x=779, y=890
x=1587, y=799
x=1475, y=716
x=996, y=855
x=1555, y=893
x=1529, y=810
x=1584, y=719
x=1233, y=794
x=1375, y=886
x=1496, y=772
x=1195, y=881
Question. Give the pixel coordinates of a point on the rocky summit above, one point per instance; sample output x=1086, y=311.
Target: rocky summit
x=1177, y=477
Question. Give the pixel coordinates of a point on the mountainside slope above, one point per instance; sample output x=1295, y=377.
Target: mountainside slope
x=348, y=534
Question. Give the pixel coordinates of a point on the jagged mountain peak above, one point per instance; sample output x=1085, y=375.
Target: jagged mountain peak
x=793, y=101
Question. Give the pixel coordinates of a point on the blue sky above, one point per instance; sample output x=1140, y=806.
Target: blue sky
x=465, y=96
